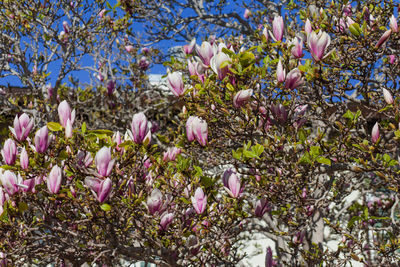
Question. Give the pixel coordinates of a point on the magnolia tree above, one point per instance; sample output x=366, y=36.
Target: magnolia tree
x=293, y=137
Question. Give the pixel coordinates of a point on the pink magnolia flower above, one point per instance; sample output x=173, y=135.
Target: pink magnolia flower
x=103, y=161
x=22, y=126
x=261, y=207
x=68, y=129
x=199, y=201
x=42, y=140
x=277, y=28
x=154, y=202
x=64, y=113
x=293, y=79
x=242, y=97
x=171, y=153
x=189, y=48
x=392, y=59
x=166, y=220
x=297, y=49
x=24, y=159
x=233, y=186
x=175, y=83
x=104, y=190
x=216, y=62
x=129, y=48
x=247, y=13
x=318, y=44
x=100, y=188
x=54, y=179
x=280, y=72
x=375, y=133
x=205, y=52
x=10, y=181
x=197, y=128
x=140, y=128
x=9, y=152
x=279, y=112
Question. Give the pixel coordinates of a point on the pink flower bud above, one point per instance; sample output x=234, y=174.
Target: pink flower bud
x=297, y=49
x=205, y=52
x=199, y=201
x=189, y=48
x=268, y=258
x=24, y=159
x=278, y=28
x=9, y=152
x=129, y=48
x=54, y=179
x=68, y=129
x=104, y=190
x=247, y=14
x=393, y=24
x=197, y=128
x=307, y=27
x=154, y=202
x=10, y=181
x=293, y=79
x=375, y=133
x=387, y=96
x=101, y=13
x=383, y=39
x=42, y=140
x=347, y=10
x=66, y=27
x=103, y=161
x=261, y=207
x=280, y=72
x=166, y=220
x=110, y=87
x=22, y=126
x=64, y=113
x=318, y=44
x=242, y=97
x=265, y=33
x=216, y=62
x=392, y=59
x=140, y=128
x=175, y=83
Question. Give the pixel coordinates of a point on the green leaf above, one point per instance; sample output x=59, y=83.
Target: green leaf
x=199, y=171
x=105, y=207
x=22, y=206
x=353, y=221
x=249, y=154
x=349, y=115
x=355, y=29
x=101, y=132
x=84, y=127
x=323, y=160
x=246, y=58
x=230, y=87
x=207, y=181
x=54, y=126
x=257, y=149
